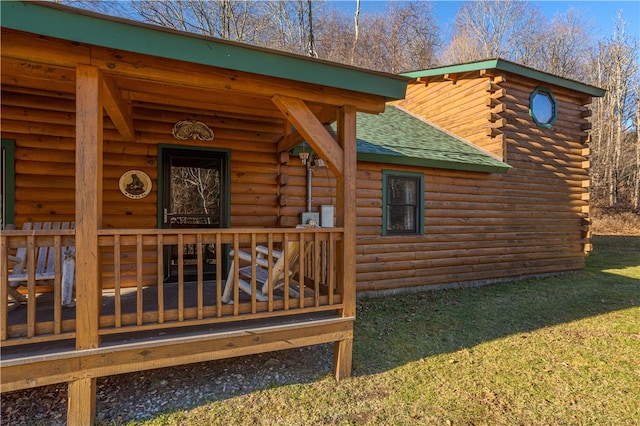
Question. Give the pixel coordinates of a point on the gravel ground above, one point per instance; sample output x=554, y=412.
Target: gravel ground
x=144, y=395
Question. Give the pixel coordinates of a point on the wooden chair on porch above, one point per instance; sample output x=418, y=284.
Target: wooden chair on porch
x=44, y=264
x=264, y=272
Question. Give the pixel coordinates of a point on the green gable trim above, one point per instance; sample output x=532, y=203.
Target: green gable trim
x=101, y=30
x=507, y=66
x=397, y=137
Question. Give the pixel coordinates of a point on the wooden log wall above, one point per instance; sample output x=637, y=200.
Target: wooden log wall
x=482, y=227
x=478, y=227
x=43, y=128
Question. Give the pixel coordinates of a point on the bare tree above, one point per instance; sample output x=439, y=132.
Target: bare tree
x=402, y=38
x=356, y=17
x=563, y=46
x=615, y=164
x=490, y=29
x=195, y=191
x=227, y=19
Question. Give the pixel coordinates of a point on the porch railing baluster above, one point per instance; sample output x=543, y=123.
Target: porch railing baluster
x=254, y=308
x=160, y=276
x=57, y=284
x=200, y=267
x=287, y=267
x=180, y=277
x=218, y=276
x=4, y=287
x=129, y=253
x=270, y=262
x=301, y=271
x=116, y=283
x=31, y=286
x=139, y=294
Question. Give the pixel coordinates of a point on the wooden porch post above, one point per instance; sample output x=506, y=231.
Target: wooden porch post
x=346, y=218
x=89, y=116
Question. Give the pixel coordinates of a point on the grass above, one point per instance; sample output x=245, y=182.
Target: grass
x=561, y=350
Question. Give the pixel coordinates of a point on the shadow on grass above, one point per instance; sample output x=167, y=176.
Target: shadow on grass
x=391, y=332
x=395, y=330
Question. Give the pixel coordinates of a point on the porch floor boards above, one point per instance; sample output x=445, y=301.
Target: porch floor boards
x=128, y=300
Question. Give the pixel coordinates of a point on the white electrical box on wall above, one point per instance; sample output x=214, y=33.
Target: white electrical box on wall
x=326, y=216
x=310, y=218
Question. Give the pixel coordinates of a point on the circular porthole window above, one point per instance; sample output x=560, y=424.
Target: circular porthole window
x=543, y=107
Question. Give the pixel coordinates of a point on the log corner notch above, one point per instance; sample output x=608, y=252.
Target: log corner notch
x=312, y=130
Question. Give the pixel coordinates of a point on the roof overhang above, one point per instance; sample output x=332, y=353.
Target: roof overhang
x=511, y=67
x=80, y=26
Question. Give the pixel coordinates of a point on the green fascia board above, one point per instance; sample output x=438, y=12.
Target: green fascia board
x=90, y=28
x=508, y=66
x=431, y=163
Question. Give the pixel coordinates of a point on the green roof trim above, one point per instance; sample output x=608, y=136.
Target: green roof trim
x=91, y=28
x=512, y=67
x=398, y=137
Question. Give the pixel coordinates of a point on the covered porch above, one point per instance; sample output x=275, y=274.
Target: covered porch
x=87, y=99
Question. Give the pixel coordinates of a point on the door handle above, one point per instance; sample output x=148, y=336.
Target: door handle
x=166, y=215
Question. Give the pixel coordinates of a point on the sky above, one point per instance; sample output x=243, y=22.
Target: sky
x=600, y=14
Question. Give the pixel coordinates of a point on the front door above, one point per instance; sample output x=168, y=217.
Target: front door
x=194, y=195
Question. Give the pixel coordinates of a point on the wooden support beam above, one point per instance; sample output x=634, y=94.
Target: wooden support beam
x=298, y=113
x=346, y=218
x=452, y=77
x=118, y=109
x=294, y=138
x=342, y=358
x=89, y=128
x=79, y=409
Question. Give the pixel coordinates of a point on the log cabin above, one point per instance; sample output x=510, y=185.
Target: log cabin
x=490, y=160
x=173, y=153
x=159, y=156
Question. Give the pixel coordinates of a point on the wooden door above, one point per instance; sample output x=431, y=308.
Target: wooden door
x=194, y=195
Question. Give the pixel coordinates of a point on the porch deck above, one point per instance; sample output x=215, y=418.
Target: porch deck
x=145, y=322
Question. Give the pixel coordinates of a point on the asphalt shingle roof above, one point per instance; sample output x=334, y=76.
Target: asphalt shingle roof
x=397, y=136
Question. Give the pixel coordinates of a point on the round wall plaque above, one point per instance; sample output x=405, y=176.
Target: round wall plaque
x=135, y=184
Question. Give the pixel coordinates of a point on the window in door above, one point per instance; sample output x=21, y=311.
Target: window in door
x=194, y=195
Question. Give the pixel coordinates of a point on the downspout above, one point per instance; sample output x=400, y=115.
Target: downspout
x=309, y=179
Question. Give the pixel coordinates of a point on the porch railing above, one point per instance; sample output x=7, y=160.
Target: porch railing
x=136, y=296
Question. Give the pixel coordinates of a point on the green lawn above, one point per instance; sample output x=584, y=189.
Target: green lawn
x=560, y=350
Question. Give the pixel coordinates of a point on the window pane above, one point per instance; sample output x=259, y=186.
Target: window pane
x=403, y=204
x=402, y=190
x=401, y=219
x=542, y=107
